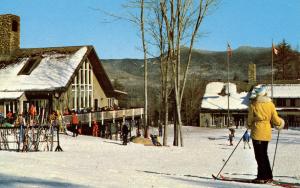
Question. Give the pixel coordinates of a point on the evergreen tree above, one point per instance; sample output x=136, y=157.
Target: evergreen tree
x=283, y=59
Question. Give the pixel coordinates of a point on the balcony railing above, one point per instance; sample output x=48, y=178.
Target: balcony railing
x=107, y=115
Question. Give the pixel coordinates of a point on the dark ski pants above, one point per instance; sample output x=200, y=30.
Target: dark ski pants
x=264, y=171
x=125, y=139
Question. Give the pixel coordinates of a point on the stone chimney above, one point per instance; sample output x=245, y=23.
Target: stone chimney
x=9, y=34
x=252, y=73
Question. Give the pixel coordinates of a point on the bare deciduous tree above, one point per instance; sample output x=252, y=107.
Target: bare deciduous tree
x=175, y=22
x=145, y=70
x=178, y=20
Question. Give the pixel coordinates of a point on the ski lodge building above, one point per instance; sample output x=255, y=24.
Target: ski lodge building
x=56, y=78
x=214, y=107
x=286, y=98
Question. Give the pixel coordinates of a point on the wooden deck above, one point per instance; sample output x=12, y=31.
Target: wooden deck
x=108, y=115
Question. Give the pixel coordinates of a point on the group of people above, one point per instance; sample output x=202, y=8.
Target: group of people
x=9, y=118
x=68, y=111
x=31, y=117
x=76, y=129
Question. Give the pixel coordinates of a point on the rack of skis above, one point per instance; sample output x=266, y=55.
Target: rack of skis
x=30, y=138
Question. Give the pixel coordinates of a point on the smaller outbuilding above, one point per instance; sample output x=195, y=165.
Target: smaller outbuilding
x=286, y=98
x=217, y=104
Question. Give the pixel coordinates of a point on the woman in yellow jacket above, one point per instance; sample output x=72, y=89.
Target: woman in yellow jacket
x=261, y=114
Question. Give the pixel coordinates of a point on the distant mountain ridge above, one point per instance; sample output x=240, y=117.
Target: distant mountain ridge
x=209, y=65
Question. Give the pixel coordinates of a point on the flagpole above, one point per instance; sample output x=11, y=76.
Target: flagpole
x=228, y=85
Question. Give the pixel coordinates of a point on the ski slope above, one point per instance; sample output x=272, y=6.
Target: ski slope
x=95, y=162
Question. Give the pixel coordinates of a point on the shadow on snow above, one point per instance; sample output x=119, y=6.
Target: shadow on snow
x=18, y=181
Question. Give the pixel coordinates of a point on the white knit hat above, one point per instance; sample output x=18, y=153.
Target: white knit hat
x=261, y=91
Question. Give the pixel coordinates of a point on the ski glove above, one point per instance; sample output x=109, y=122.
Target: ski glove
x=280, y=126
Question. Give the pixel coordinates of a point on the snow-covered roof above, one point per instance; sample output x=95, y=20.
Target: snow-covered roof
x=282, y=90
x=216, y=100
x=10, y=95
x=54, y=71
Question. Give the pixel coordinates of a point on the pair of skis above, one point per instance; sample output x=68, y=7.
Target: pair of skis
x=244, y=180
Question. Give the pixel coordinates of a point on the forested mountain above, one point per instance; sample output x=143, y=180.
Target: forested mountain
x=206, y=65
x=209, y=65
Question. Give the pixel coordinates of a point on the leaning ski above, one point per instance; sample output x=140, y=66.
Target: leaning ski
x=243, y=180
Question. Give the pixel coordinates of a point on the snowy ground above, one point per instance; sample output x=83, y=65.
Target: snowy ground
x=96, y=162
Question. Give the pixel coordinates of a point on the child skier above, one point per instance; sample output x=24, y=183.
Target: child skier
x=231, y=135
x=246, y=139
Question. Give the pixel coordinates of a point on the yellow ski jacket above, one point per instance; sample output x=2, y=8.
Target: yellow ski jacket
x=261, y=114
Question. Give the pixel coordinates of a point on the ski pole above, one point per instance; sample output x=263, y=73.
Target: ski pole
x=275, y=150
x=231, y=154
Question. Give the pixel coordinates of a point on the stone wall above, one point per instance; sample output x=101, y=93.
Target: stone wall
x=9, y=34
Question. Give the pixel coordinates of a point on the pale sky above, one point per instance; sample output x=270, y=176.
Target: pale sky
x=49, y=23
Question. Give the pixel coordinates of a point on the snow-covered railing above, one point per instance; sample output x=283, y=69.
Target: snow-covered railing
x=107, y=115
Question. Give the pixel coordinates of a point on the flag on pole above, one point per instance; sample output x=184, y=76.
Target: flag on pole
x=229, y=50
x=275, y=51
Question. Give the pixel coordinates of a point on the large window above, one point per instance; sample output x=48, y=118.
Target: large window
x=96, y=104
x=297, y=102
x=110, y=102
x=82, y=87
x=292, y=102
x=281, y=102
